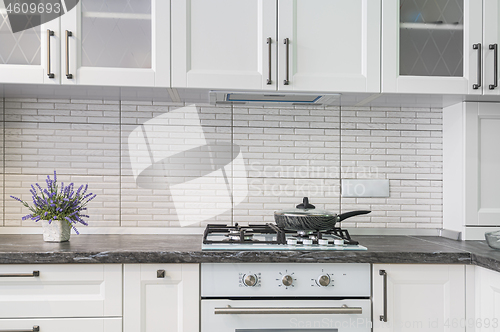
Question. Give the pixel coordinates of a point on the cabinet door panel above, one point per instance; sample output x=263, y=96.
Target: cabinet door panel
x=491, y=36
x=419, y=297
x=77, y=290
x=482, y=158
x=155, y=303
x=487, y=300
x=334, y=45
x=123, y=43
x=223, y=44
x=427, y=46
x=23, y=55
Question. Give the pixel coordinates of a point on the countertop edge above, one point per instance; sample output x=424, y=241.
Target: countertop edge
x=143, y=249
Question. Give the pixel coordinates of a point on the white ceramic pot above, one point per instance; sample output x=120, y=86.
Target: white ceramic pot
x=56, y=231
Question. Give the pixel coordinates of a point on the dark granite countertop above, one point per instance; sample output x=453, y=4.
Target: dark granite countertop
x=30, y=249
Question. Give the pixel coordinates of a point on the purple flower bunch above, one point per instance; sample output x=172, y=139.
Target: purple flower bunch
x=53, y=203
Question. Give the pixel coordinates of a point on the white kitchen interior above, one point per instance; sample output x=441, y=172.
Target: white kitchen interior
x=174, y=113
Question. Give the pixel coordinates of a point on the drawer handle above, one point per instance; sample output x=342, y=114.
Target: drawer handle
x=19, y=275
x=477, y=85
x=49, y=33
x=160, y=274
x=269, y=41
x=35, y=328
x=383, y=273
x=68, y=34
x=287, y=78
x=494, y=47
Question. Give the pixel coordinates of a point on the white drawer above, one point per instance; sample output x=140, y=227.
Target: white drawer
x=62, y=324
x=69, y=290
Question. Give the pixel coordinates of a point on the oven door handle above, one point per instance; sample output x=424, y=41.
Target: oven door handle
x=344, y=310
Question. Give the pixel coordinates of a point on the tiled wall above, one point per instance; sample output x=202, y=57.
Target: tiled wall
x=268, y=157
x=404, y=146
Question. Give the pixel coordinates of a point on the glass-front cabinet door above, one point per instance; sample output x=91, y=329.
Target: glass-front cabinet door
x=117, y=42
x=24, y=56
x=432, y=46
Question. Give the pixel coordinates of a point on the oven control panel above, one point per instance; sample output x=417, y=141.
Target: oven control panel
x=285, y=279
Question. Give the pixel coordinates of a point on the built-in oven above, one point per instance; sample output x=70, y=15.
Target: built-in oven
x=279, y=297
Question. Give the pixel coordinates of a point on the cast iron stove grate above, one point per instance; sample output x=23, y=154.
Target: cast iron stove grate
x=244, y=234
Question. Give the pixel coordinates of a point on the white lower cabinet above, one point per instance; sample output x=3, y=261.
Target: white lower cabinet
x=60, y=290
x=62, y=324
x=487, y=297
x=61, y=297
x=161, y=297
x=418, y=297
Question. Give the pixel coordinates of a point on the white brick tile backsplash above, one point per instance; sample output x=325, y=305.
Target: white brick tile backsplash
x=41, y=148
x=401, y=153
x=2, y=161
x=286, y=154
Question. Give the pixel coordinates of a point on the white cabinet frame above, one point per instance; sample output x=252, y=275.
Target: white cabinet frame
x=367, y=79
x=393, y=82
x=161, y=297
x=158, y=75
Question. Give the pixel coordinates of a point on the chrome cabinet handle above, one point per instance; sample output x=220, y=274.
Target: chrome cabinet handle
x=20, y=275
x=479, y=69
x=68, y=34
x=383, y=317
x=287, y=43
x=269, y=81
x=49, y=34
x=287, y=311
x=35, y=328
x=494, y=47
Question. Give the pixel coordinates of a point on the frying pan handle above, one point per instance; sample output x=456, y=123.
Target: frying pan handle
x=350, y=214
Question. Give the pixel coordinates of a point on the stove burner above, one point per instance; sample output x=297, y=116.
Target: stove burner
x=275, y=235
x=237, y=237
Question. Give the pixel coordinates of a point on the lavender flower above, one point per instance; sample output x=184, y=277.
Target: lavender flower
x=58, y=204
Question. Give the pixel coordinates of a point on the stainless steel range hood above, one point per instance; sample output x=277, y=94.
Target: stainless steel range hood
x=273, y=98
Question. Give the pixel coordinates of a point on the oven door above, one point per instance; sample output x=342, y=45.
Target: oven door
x=285, y=315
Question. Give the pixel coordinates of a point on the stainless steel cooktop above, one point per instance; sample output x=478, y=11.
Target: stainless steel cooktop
x=271, y=237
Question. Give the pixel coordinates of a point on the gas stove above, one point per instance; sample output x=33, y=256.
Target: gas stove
x=271, y=237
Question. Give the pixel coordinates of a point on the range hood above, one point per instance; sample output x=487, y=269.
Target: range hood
x=273, y=98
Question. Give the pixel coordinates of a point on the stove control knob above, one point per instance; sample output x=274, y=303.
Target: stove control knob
x=250, y=280
x=287, y=280
x=323, y=280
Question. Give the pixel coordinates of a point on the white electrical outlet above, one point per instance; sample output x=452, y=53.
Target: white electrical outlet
x=365, y=188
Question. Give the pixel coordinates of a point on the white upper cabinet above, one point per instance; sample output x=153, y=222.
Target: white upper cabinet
x=224, y=44
x=112, y=42
x=331, y=45
x=98, y=42
x=432, y=46
x=491, y=39
x=23, y=55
